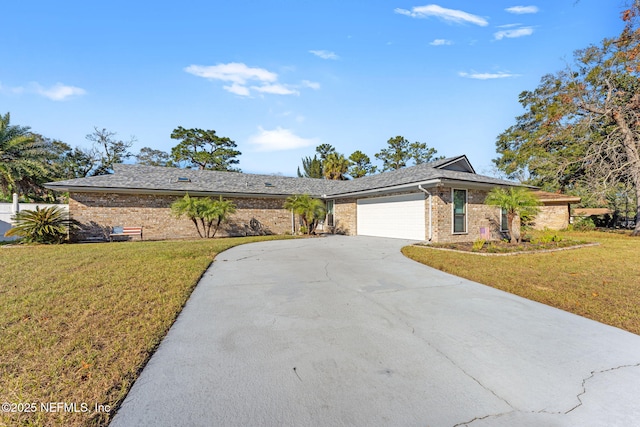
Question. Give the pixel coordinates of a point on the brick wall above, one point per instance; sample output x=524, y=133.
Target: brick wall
x=345, y=216
x=98, y=212
x=553, y=215
x=479, y=216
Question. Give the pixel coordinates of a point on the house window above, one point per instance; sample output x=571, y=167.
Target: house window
x=329, y=206
x=504, y=224
x=459, y=211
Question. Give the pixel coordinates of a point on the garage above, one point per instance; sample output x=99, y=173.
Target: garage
x=401, y=216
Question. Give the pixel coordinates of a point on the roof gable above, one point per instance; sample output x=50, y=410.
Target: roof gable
x=459, y=164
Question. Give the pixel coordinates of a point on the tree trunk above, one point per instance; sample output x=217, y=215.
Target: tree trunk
x=633, y=159
x=195, y=221
x=636, y=230
x=512, y=231
x=215, y=230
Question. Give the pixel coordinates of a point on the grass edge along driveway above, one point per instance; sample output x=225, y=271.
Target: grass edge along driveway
x=79, y=322
x=600, y=282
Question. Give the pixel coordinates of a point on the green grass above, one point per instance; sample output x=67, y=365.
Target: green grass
x=79, y=322
x=599, y=282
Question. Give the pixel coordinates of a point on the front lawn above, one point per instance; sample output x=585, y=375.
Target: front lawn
x=79, y=322
x=599, y=282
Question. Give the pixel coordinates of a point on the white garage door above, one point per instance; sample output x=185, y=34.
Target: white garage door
x=402, y=216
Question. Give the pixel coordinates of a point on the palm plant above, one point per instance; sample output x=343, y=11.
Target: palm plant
x=309, y=209
x=219, y=211
x=25, y=161
x=187, y=207
x=205, y=213
x=47, y=225
x=335, y=166
x=518, y=202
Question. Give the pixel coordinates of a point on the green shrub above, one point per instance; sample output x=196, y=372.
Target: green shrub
x=584, y=224
x=478, y=244
x=48, y=225
x=549, y=236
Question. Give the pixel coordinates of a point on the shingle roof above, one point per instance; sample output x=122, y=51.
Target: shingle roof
x=140, y=178
x=416, y=174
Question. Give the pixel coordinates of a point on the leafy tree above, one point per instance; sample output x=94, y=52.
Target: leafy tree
x=581, y=127
x=421, y=153
x=26, y=160
x=206, y=214
x=312, y=168
x=107, y=150
x=203, y=149
x=47, y=225
x=400, y=152
x=151, y=157
x=360, y=165
x=518, y=202
x=335, y=166
x=78, y=163
x=309, y=210
x=324, y=150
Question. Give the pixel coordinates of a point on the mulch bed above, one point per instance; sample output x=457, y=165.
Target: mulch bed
x=500, y=247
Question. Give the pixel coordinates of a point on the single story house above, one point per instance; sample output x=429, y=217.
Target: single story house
x=441, y=201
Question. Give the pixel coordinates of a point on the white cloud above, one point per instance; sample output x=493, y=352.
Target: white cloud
x=58, y=92
x=237, y=89
x=275, y=89
x=448, y=15
x=279, y=140
x=12, y=90
x=311, y=85
x=241, y=78
x=441, y=42
x=487, y=76
x=520, y=10
x=324, y=54
x=512, y=34
x=232, y=72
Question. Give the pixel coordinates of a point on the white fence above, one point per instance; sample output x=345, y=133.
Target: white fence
x=7, y=210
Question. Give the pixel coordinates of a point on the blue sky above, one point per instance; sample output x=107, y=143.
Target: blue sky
x=280, y=77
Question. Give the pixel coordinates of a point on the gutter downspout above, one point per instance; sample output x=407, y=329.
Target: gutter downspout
x=430, y=210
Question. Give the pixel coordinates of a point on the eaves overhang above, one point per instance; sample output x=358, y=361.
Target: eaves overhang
x=435, y=182
x=167, y=192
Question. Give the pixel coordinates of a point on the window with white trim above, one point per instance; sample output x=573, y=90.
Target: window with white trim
x=459, y=211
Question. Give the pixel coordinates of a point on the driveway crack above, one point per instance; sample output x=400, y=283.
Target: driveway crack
x=326, y=271
x=466, y=423
x=593, y=374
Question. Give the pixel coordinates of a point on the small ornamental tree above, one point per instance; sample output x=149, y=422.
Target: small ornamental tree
x=206, y=214
x=220, y=212
x=187, y=207
x=518, y=202
x=49, y=225
x=309, y=209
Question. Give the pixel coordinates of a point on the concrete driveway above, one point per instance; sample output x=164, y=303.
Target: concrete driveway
x=345, y=331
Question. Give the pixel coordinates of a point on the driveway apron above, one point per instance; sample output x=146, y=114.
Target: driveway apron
x=346, y=331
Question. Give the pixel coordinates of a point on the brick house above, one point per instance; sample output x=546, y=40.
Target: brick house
x=441, y=201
